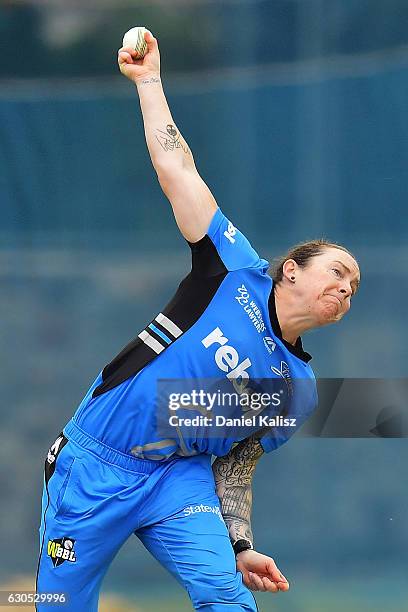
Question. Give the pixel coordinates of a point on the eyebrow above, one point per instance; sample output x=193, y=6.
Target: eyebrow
x=355, y=281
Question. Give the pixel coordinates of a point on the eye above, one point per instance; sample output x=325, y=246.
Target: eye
x=337, y=272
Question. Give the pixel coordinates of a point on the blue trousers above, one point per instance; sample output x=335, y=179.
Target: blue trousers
x=95, y=497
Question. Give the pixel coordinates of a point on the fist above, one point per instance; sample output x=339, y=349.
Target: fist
x=134, y=68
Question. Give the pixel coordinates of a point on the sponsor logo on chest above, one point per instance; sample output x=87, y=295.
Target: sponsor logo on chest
x=228, y=360
x=250, y=308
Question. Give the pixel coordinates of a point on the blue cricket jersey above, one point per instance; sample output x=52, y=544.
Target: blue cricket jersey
x=220, y=324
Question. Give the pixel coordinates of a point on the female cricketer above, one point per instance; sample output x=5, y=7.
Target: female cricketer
x=112, y=472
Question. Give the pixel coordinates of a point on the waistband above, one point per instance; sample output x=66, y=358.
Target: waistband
x=143, y=466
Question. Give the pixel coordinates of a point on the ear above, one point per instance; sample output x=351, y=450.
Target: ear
x=289, y=269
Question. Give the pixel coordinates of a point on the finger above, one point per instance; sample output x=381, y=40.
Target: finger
x=125, y=58
x=151, y=41
x=250, y=582
x=149, y=38
x=269, y=585
x=274, y=573
x=258, y=582
x=129, y=49
x=283, y=586
x=282, y=579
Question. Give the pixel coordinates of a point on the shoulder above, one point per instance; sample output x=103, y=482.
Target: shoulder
x=230, y=244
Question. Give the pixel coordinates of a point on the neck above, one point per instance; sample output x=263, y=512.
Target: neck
x=293, y=321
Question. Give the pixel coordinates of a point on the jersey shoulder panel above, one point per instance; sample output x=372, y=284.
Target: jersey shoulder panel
x=233, y=248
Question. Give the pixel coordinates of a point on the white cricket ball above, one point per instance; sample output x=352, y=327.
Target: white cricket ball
x=135, y=38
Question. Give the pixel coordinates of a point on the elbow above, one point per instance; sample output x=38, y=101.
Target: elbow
x=166, y=180
x=167, y=175
x=170, y=177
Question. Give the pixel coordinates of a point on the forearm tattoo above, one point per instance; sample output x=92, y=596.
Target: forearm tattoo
x=233, y=479
x=149, y=81
x=171, y=140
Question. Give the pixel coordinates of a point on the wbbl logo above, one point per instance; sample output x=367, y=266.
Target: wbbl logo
x=60, y=550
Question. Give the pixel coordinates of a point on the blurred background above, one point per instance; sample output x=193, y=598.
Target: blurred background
x=296, y=111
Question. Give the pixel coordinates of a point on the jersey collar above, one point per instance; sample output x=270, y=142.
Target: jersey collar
x=297, y=348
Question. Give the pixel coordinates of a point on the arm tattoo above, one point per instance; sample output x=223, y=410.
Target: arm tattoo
x=148, y=81
x=233, y=479
x=170, y=139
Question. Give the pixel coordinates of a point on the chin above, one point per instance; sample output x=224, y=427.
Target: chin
x=328, y=315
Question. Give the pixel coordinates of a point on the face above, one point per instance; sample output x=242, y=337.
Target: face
x=327, y=284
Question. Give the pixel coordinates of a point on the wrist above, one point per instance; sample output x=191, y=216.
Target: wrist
x=147, y=79
x=243, y=558
x=241, y=546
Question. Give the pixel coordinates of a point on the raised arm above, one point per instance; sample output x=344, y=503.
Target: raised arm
x=233, y=479
x=192, y=202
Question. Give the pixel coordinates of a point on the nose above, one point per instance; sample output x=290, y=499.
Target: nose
x=346, y=290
